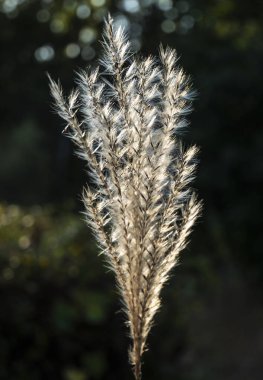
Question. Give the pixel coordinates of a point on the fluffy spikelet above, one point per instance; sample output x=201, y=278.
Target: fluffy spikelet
x=140, y=206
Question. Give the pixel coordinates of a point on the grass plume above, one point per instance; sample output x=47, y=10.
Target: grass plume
x=125, y=118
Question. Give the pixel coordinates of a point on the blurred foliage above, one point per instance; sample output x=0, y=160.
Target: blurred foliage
x=56, y=303
x=58, y=309
x=57, y=316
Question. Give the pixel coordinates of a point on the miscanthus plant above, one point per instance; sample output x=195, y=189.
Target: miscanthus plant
x=125, y=117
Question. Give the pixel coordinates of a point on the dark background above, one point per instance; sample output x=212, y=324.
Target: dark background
x=59, y=316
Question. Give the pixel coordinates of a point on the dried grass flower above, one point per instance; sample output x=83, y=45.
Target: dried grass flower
x=125, y=118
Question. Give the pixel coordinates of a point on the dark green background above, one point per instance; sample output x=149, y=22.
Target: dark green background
x=59, y=316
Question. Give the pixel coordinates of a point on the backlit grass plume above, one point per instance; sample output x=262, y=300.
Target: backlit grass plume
x=125, y=118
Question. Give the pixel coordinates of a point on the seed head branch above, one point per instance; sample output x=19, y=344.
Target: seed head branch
x=125, y=120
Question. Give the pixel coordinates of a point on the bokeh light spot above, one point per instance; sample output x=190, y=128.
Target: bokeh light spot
x=131, y=6
x=97, y=3
x=187, y=21
x=57, y=25
x=165, y=5
x=43, y=15
x=88, y=53
x=83, y=11
x=87, y=35
x=24, y=242
x=135, y=45
x=72, y=50
x=44, y=53
x=168, y=26
x=28, y=221
x=9, y=5
x=122, y=21
x=99, y=14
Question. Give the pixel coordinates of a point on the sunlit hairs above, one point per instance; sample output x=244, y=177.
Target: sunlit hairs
x=125, y=117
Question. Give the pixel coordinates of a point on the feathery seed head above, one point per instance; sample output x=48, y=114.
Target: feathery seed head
x=141, y=207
